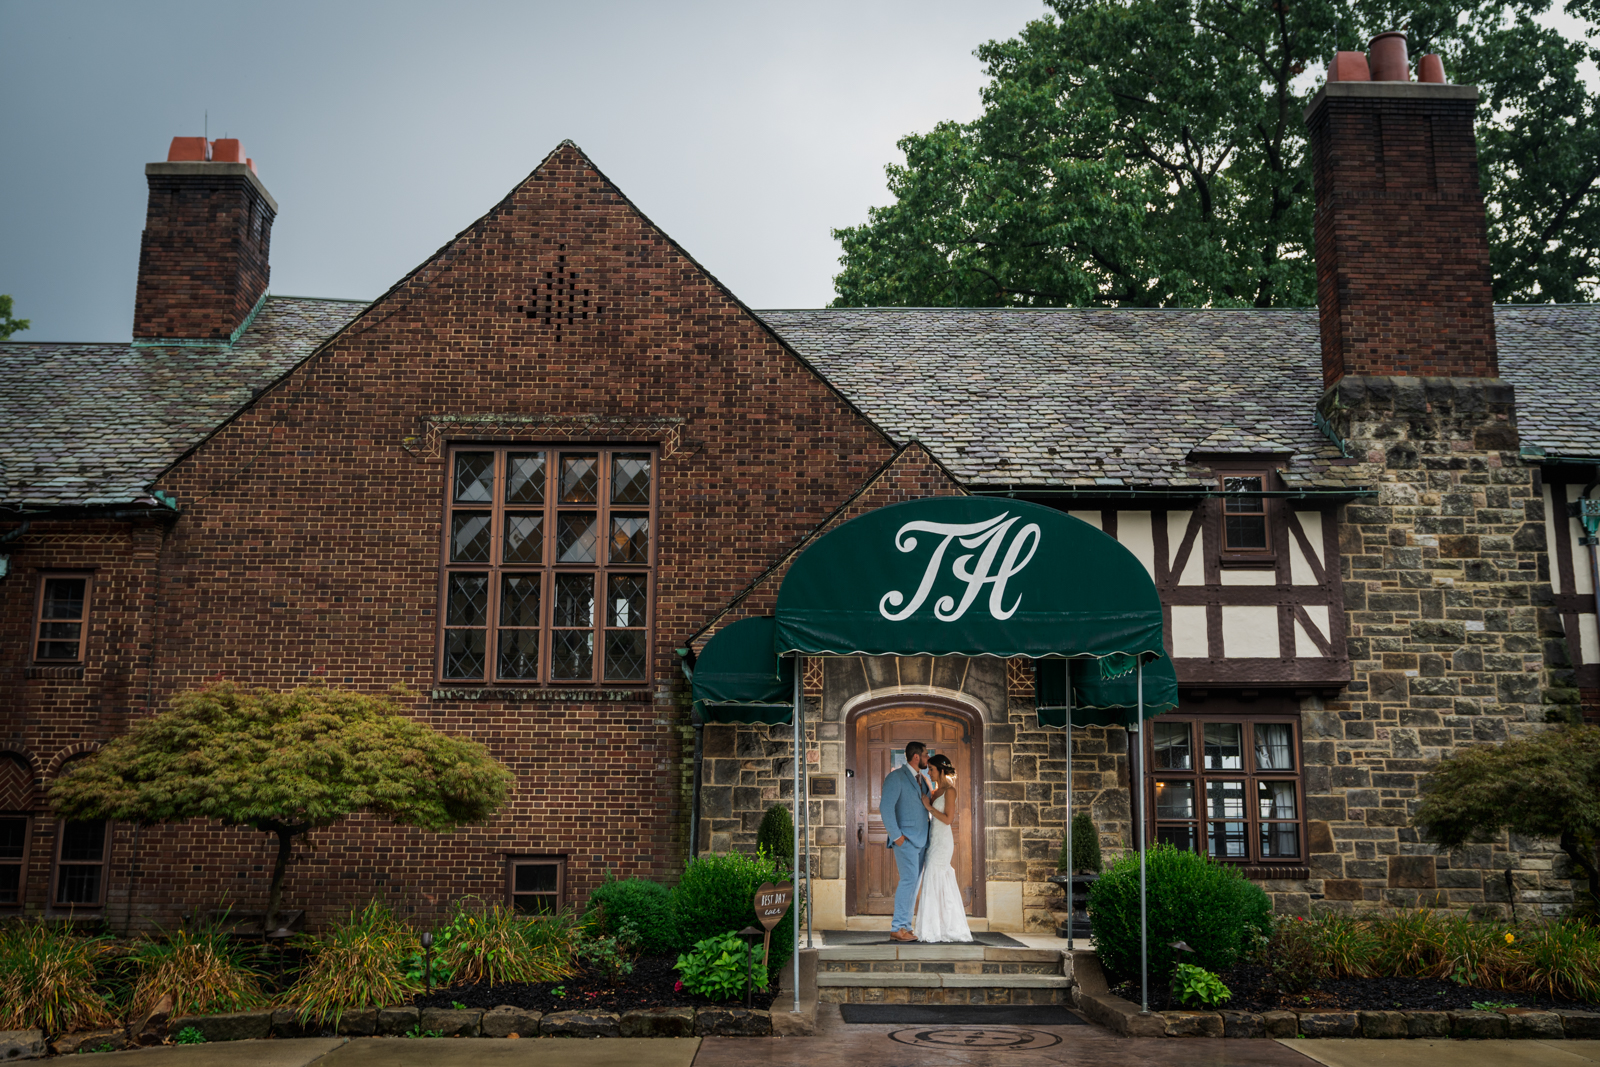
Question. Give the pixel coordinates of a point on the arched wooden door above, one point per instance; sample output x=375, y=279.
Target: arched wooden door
x=877, y=739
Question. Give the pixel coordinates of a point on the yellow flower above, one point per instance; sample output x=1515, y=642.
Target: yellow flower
x=1510, y=938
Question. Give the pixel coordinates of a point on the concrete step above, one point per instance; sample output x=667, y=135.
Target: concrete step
x=941, y=974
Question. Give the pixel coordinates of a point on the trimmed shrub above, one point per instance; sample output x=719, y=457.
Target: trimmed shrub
x=776, y=836
x=717, y=896
x=1209, y=906
x=648, y=905
x=1085, y=847
x=47, y=978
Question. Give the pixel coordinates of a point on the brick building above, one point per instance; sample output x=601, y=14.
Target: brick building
x=559, y=451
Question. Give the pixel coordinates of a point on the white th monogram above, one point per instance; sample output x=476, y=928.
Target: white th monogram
x=990, y=535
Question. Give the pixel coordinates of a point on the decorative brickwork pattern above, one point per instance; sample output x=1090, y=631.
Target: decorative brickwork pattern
x=1403, y=277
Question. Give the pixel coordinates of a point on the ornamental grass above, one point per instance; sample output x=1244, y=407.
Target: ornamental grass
x=47, y=979
x=356, y=964
x=203, y=969
x=497, y=945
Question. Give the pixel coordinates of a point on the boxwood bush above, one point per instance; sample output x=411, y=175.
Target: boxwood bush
x=1209, y=906
x=647, y=904
x=717, y=894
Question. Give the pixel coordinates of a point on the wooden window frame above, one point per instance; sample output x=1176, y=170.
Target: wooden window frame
x=558, y=862
x=45, y=577
x=22, y=863
x=1248, y=773
x=56, y=865
x=549, y=569
x=1246, y=557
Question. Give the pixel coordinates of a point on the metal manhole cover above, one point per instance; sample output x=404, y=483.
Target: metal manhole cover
x=987, y=1038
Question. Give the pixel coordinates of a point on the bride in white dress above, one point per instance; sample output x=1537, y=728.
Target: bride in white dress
x=940, y=914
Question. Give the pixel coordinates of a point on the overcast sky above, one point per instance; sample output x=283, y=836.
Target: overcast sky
x=747, y=130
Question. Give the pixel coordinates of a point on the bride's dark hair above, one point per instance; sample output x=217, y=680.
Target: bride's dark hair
x=941, y=761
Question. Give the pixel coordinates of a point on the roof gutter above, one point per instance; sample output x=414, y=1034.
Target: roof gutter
x=1325, y=496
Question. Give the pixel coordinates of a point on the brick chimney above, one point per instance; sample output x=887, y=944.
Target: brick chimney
x=1403, y=278
x=203, y=255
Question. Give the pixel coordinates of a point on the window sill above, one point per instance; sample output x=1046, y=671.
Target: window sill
x=1247, y=562
x=1259, y=873
x=534, y=694
x=74, y=670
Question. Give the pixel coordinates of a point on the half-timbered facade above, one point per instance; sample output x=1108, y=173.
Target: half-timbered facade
x=531, y=480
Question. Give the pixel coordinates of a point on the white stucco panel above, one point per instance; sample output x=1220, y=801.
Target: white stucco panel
x=1249, y=631
x=1300, y=572
x=1133, y=531
x=1090, y=517
x=1588, y=639
x=1304, y=647
x=1550, y=536
x=1248, y=576
x=1189, y=639
x=1194, y=573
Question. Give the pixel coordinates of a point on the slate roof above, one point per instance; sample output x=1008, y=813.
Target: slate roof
x=95, y=423
x=1089, y=397
x=1551, y=354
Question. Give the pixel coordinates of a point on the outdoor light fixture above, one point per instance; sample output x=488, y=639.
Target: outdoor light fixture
x=427, y=959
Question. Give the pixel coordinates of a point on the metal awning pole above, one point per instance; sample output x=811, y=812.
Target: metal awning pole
x=794, y=872
x=1144, y=937
x=805, y=799
x=1070, y=871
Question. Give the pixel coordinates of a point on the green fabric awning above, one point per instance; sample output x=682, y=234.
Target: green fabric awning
x=738, y=678
x=972, y=576
x=1098, y=700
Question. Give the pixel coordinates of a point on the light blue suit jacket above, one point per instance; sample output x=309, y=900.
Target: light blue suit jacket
x=901, y=807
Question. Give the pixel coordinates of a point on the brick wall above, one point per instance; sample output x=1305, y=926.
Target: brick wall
x=203, y=254
x=309, y=545
x=1403, y=277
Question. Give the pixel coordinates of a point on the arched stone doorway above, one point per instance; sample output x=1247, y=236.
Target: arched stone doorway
x=876, y=733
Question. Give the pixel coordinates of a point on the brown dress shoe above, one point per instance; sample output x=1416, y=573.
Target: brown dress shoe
x=902, y=935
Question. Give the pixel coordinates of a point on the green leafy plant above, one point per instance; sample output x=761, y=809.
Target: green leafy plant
x=715, y=968
x=717, y=894
x=647, y=905
x=1196, y=985
x=775, y=836
x=190, y=1035
x=497, y=944
x=9, y=324
x=457, y=1005
x=558, y=991
x=1210, y=906
x=1085, y=858
x=418, y=1031
x=611, y=954
x=1292, y=955
x=1492, y=1005
x=284, y=763
x=47, y=979
x=355, y=964
x=201, y=967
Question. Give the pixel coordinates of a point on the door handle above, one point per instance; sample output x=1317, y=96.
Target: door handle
x=861, y=835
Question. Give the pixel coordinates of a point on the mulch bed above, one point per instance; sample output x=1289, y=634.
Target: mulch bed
x=651, y=985
x=1252, y=991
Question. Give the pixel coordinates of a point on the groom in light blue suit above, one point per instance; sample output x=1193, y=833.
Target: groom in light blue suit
x=906, y=820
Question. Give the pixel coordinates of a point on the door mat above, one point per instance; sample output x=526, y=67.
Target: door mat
x=960, y=1014
x=881, y=937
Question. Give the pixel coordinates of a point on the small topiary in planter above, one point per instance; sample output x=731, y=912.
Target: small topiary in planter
x=1085, y=858
x=1210, y=906
x=776, y=836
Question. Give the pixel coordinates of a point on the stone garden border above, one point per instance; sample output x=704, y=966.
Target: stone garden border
x=1096, y=1003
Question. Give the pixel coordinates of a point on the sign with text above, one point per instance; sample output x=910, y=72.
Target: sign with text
x=771, y=902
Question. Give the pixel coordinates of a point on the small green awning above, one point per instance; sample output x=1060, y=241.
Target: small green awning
x=971, y=576
x=1098, y=697
x=738, y=679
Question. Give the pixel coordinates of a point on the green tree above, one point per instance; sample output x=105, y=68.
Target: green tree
x=776, y=835
x=1153, y=153
x=1546, y=786
x=9, y=325
x=286, y=764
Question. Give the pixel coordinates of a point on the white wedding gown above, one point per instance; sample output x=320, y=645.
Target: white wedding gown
x=940, y=914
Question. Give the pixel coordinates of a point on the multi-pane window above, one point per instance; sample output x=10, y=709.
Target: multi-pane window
x=81, y=863
x=1244, y=516
x=13, y=858
x=1228, y=787
x=59, y=628
x=548, y=557
x=536, y=885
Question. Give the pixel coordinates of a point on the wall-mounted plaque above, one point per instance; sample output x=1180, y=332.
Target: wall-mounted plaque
x=824, y=787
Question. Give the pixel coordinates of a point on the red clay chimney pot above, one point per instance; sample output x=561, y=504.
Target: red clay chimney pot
x=1430, y=69
x=227, y=150
x=1388, y=58
x=1349, y=67
x=188, y=150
